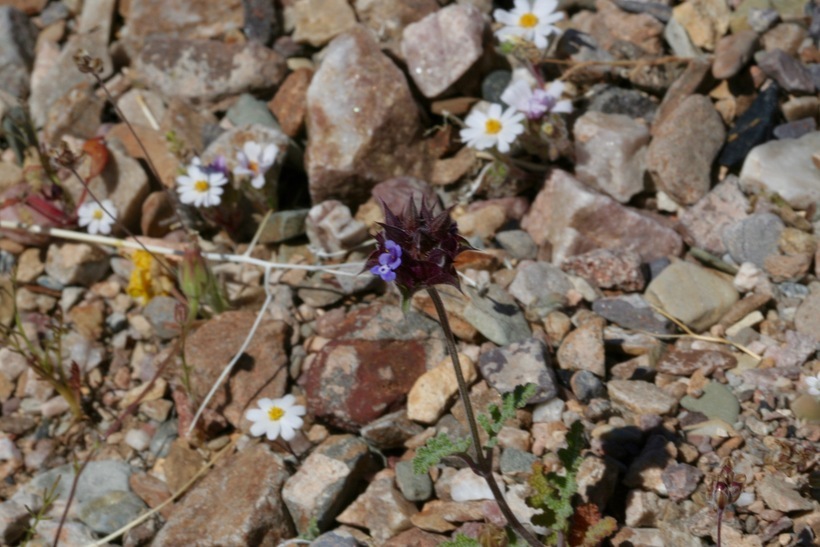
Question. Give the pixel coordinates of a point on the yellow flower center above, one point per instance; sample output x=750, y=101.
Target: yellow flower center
x=97, y=214
x=275, y=413
x=253, y=166
x=492, y=127
x=528, y=20
x=201, y=186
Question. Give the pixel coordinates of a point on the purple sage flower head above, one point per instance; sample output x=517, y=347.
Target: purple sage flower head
x=417, y=249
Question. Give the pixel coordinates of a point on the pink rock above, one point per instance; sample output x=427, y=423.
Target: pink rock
x=363, y=124
x=389, y=18
x=572, y=219
x=608, y=269
x=188, y=19
x=704, y=221
x=440, y=48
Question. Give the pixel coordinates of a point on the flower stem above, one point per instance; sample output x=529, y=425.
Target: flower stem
x=484, y=463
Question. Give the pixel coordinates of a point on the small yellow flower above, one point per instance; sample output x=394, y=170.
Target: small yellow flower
x=148, y=279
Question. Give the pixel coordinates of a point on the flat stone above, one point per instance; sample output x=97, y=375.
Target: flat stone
x=685, y=362
x=517, y=364
x=632, y=312
x=779, y=494
x=753, y=239
x=684, y=146
x=111, y=511
x=610, y=152
x=574, y=219
x=250, y=509
x=785, y=167
x=540, y=287
x=189, y=19
x=696, y=296
x=434, y=390
x=497, y=316
x=207, y=70
x=260, y=372
x=607, y=269
x=717, y=401
x=440, y=48
x=787, y=71
x=641, y=397
x=705, y=222
x=732, y=53
x=583, y=349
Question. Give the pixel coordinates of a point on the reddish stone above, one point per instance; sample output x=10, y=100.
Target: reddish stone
x=289, y=105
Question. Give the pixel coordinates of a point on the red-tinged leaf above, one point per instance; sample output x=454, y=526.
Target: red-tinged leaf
x=98, y=155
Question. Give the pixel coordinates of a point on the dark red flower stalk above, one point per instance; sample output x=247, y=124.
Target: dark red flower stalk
x=417, y=249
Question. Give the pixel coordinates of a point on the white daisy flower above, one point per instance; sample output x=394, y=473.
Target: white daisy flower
x=534, y=103
x=201, y=187
x=276, y=417
x=255, y=161
x=97, y=217
x=495, y=128
x=813, y=385
x=531, y=20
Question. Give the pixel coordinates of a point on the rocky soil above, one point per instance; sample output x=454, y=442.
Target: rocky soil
x=687, y=181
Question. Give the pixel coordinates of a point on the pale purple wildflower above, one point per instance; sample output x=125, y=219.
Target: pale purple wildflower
x=535, y=103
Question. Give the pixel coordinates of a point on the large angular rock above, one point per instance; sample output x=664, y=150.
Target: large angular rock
x=440, y=48
x=573, y=219
x=317, y=22
x=362, y=122
x=705, y=221
x=206, y=70
x=262, y=371
x=610, y=153
x=785, y=167
x=326, y=481
x=235, y=504
x=684, y=146
x=389, y=18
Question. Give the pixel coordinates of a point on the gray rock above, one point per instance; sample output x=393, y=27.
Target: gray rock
x=76, y=263
x=705, y=221
x=331, y=227
x=13, y=522
x=791, y=74
x=610, y=152
x=586, y=386
x=440, y=48
x=717, y=401
x=518, y=364
x=249, y=509
x=518, y=244
x=684, y=146
x=163, y=438
x=795, y=129
x=632, y=312
x=679, y=41
x=494, y=84
x=322, y=484
x=361, y=130
x=190, y=19
x=696, y=296
x=681, y=480
x=516, y=463
x=541, y=287
x=497, y=316
x=784, y=167
x=573, y=219
x=207, y=70
x=414, y=487
x=111, y=511
x=390, y=431
x=17, y=39
x=807, y=317
x=161, y=313
x=284, y=225
x=640, y=397
x=632, y=103
x=778, y=494
x=754, y=238
x=249, y=110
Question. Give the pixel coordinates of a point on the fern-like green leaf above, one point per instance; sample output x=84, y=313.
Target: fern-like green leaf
x=553, y=493
x=435, y=450
x=600, y=531
x=511, y=402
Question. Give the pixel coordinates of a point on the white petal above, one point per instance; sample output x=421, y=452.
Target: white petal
x=517, y=94
x=288, y=433
x=522, y=7
x=505, y=17
x=494, y=112
x=258, y=181
x=256, y=415
x=540, y=40
x=252, y=150
x=104, y=227
x=286, y=400
x=543, y=8
x=563, y=106
x=269, y=155
x=273, y=430
x=258, y=429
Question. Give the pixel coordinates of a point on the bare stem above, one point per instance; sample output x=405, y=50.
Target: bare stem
x=484, y=463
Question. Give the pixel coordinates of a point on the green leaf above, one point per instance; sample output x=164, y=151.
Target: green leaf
x=435, y=450
x=553, y=493
x=461, y=541
x=511, y=402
